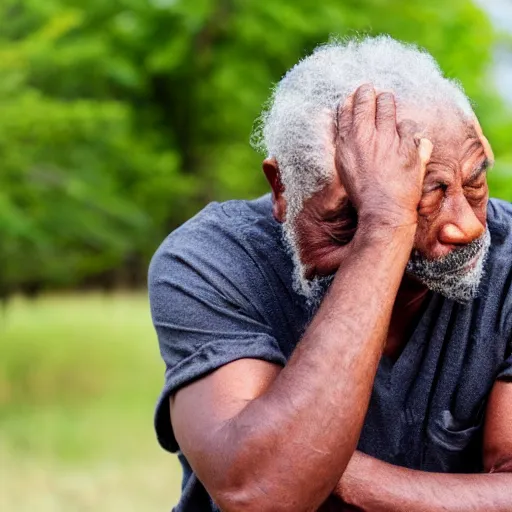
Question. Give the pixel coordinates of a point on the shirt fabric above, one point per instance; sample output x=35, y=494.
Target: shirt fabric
x=221, y=289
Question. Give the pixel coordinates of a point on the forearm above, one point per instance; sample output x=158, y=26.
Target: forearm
x=375, y=486
x=299, y=436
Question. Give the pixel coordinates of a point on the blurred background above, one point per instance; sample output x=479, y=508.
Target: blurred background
x=118, y=121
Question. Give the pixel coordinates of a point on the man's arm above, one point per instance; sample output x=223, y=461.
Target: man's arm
x=260, y=440
x=375, y=486
x=287, y=449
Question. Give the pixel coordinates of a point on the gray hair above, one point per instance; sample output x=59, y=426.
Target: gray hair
x=296, y=127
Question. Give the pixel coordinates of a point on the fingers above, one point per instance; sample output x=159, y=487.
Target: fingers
x=365, y=110
x=424, y=151
x=345, y=117
x=385, y=116
x=364, y=107
x=413, y=143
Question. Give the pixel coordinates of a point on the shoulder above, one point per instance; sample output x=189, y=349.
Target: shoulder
x=211, y=299
x=218, y=234
x=228, y=248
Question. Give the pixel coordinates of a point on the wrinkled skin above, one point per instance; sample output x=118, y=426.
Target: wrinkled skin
x=452, y=207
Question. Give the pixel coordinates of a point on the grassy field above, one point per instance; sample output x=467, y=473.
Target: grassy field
x=79, y=376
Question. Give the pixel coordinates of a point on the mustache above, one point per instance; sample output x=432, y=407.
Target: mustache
x=448, y=264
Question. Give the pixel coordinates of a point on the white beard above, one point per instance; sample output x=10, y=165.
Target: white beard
x=447, y=276
x=314, y=289
x=444, y=275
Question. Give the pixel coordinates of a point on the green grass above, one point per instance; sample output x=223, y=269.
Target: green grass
x=79, y=376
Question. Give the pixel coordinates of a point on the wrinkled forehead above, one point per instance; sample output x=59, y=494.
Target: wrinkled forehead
x=453, y=135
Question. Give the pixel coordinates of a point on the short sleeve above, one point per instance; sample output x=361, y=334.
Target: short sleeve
x=205, y=303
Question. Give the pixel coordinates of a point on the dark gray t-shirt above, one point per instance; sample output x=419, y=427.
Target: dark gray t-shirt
x=221, y=289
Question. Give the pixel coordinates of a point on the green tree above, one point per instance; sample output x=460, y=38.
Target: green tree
x=119, y=120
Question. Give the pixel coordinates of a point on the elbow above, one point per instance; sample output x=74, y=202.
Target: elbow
x=253, y=478
x=241, y=499
x=251, y=487
x=263, y=491
x=254, y=498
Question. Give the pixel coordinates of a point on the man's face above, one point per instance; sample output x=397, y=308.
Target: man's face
x=451, y=238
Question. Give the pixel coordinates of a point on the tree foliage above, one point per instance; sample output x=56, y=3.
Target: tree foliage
x=119, y=120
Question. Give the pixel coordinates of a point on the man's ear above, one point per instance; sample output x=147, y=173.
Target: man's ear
x=273, y=175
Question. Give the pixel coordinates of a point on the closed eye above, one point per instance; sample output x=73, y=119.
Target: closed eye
x=479, y=174
x=476, y=193
x=432, y=200
x=477, y=185
x=477, y=182
x=437, y=186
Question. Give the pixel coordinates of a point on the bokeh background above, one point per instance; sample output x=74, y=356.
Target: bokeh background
x=118, y=121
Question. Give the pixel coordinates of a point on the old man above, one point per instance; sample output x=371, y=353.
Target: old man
x=345, y=342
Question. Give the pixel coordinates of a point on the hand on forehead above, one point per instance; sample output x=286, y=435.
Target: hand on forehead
x=449, y=130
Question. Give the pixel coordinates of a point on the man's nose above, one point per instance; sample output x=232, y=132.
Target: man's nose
x=462, y=227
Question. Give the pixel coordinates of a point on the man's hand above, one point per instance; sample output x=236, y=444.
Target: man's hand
x=381, y=164
x=377, y=186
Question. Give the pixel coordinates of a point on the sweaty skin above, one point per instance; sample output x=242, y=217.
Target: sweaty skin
x=265, y=438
